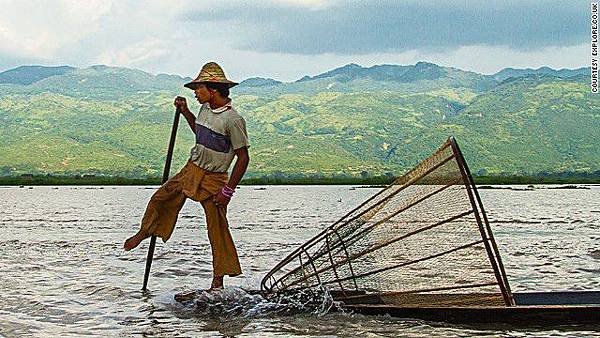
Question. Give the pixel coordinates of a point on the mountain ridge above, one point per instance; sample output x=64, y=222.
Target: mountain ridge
x=35, y=73
x=26, y=75
x=114, y=121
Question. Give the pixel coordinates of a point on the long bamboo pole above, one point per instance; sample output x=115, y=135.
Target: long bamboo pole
x=165, y=177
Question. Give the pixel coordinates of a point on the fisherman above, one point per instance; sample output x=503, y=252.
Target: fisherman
x=220, y=136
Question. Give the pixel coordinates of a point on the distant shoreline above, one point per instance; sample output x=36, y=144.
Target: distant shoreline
x=43, y=180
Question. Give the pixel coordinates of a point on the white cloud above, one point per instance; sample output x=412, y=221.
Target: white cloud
x=309, y=4
x=41, y=29
x=137, y=54
x=156, y=36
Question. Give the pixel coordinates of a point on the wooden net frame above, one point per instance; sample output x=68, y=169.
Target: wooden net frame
x=424, y=240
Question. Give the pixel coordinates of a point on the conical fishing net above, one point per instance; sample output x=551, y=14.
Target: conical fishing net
x=422, y=241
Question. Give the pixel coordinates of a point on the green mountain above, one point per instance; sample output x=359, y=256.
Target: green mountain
x=352, y=120
x=507, y=73
x=26, y=75
x=258, y=82
x=351, y=78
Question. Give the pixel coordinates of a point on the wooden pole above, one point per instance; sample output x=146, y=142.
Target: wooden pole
x=165, y=177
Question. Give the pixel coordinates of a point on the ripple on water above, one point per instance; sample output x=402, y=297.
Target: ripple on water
x=63, y=272
x=595, y=254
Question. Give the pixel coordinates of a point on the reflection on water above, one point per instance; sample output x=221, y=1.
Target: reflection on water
x=63, y=271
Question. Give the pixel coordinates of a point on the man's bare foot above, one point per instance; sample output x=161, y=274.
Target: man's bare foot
x=217, y=283
x=134, y=241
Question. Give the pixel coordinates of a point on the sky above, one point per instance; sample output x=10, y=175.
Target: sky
x=287, y=39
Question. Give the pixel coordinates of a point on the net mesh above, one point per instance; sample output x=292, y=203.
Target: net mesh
x=422, y=241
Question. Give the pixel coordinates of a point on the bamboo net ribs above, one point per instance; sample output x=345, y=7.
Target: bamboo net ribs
x=422, y=241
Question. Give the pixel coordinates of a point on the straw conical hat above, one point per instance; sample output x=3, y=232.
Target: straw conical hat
x=211, y=72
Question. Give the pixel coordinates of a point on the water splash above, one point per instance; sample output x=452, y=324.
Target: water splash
x=235, y=302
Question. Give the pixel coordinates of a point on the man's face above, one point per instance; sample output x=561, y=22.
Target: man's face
x=202, y=93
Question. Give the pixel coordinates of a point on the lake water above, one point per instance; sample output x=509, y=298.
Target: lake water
x=63, y=271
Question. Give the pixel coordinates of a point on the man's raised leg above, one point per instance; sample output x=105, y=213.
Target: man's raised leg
x=135, y=240
x=161, y=213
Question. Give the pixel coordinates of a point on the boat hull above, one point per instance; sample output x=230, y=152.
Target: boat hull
x=532, y=309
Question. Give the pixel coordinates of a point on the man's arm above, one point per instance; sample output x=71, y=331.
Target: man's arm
x=239, y=169
x=181, y=104
x=190, y=118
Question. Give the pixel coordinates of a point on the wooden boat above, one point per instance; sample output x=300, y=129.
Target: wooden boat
x=530, y=309
x=423, y=248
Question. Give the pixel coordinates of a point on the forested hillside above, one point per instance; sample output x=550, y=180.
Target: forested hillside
x=351, y=121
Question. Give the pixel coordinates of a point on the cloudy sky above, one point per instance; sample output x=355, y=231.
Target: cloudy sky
x=286, y=39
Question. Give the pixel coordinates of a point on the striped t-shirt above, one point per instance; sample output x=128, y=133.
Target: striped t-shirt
x=218, y=133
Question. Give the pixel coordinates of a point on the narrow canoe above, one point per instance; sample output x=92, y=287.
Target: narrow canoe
x=531, y=309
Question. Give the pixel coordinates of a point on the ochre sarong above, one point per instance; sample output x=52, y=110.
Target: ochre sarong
x=200, y=185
